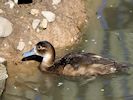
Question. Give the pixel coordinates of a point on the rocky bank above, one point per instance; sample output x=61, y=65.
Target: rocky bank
x=57, y=21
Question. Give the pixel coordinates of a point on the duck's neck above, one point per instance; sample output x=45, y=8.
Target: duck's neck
x=48, y=61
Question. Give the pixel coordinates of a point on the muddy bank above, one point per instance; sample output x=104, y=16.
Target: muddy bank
x=62, y=32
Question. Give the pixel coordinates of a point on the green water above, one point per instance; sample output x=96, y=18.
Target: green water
x=111, y=37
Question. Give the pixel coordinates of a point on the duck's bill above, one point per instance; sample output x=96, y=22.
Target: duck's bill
x=31, y=55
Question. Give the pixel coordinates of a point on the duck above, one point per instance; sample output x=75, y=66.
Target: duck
x=72, y=64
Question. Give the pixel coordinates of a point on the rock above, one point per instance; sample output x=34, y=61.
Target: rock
x=50, y=16
x=5, y=27
x=43, y=24
x=35, y=23
x=37, y=30
x=30, y=43
x=16, y=1
x=3, y=74
x=2, y=86
x=56, y=2
x=10, y=3
x=1, y=11
x=60, y=84
x=34, y=12
x=21, y=45
x=3, y=61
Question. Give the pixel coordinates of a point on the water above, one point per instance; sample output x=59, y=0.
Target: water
x=109, y=32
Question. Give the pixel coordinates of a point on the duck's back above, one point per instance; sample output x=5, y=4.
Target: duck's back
x=85, y=64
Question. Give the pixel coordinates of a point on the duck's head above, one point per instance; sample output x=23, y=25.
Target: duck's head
x=42, y=52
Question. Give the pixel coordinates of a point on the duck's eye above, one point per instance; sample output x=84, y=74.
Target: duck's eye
x=38, y=47
x=41, y=48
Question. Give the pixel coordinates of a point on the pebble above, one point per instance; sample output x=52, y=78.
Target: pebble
x=99, y=16
x=93, y=40
x=36, y=89
x=21, y=45
x=37, y=30
x=35, y=23
x=131, y=11
x=5, y=45
x=10, y=3
x=15, y=87
x=5, y=27
x=83, y=51
x=56, y=2
x=1, y=11
x=30, y=43
x=60, y=83
x=44, y=24
x=67, y=49
x=50, y=16
x=86, y=40
x=34, y=12
x=102, y=90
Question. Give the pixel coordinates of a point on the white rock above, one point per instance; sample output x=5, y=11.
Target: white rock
x=5, y=27
x=30, y=43
x=50, y=16
x=56, y=2
x=10, y=3
x=21, y=45
x=44, y=24
x=3, y=72
x=34, y=12
x=60, y=84
x=1, y=11
x=16, y=1
x=2, y=60
x=37, y=30
x=35, y=23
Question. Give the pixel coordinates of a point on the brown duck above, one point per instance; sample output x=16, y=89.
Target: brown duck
x=72, y=64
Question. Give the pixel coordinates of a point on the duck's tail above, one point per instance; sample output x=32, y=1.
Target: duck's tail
x=123, y=67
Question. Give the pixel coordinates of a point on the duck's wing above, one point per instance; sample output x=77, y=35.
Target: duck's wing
x=85, y=58
x=78, y=59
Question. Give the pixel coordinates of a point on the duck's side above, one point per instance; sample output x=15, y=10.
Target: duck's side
x=85, y=64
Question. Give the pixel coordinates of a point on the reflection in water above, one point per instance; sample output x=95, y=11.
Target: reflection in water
x=110, y=34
